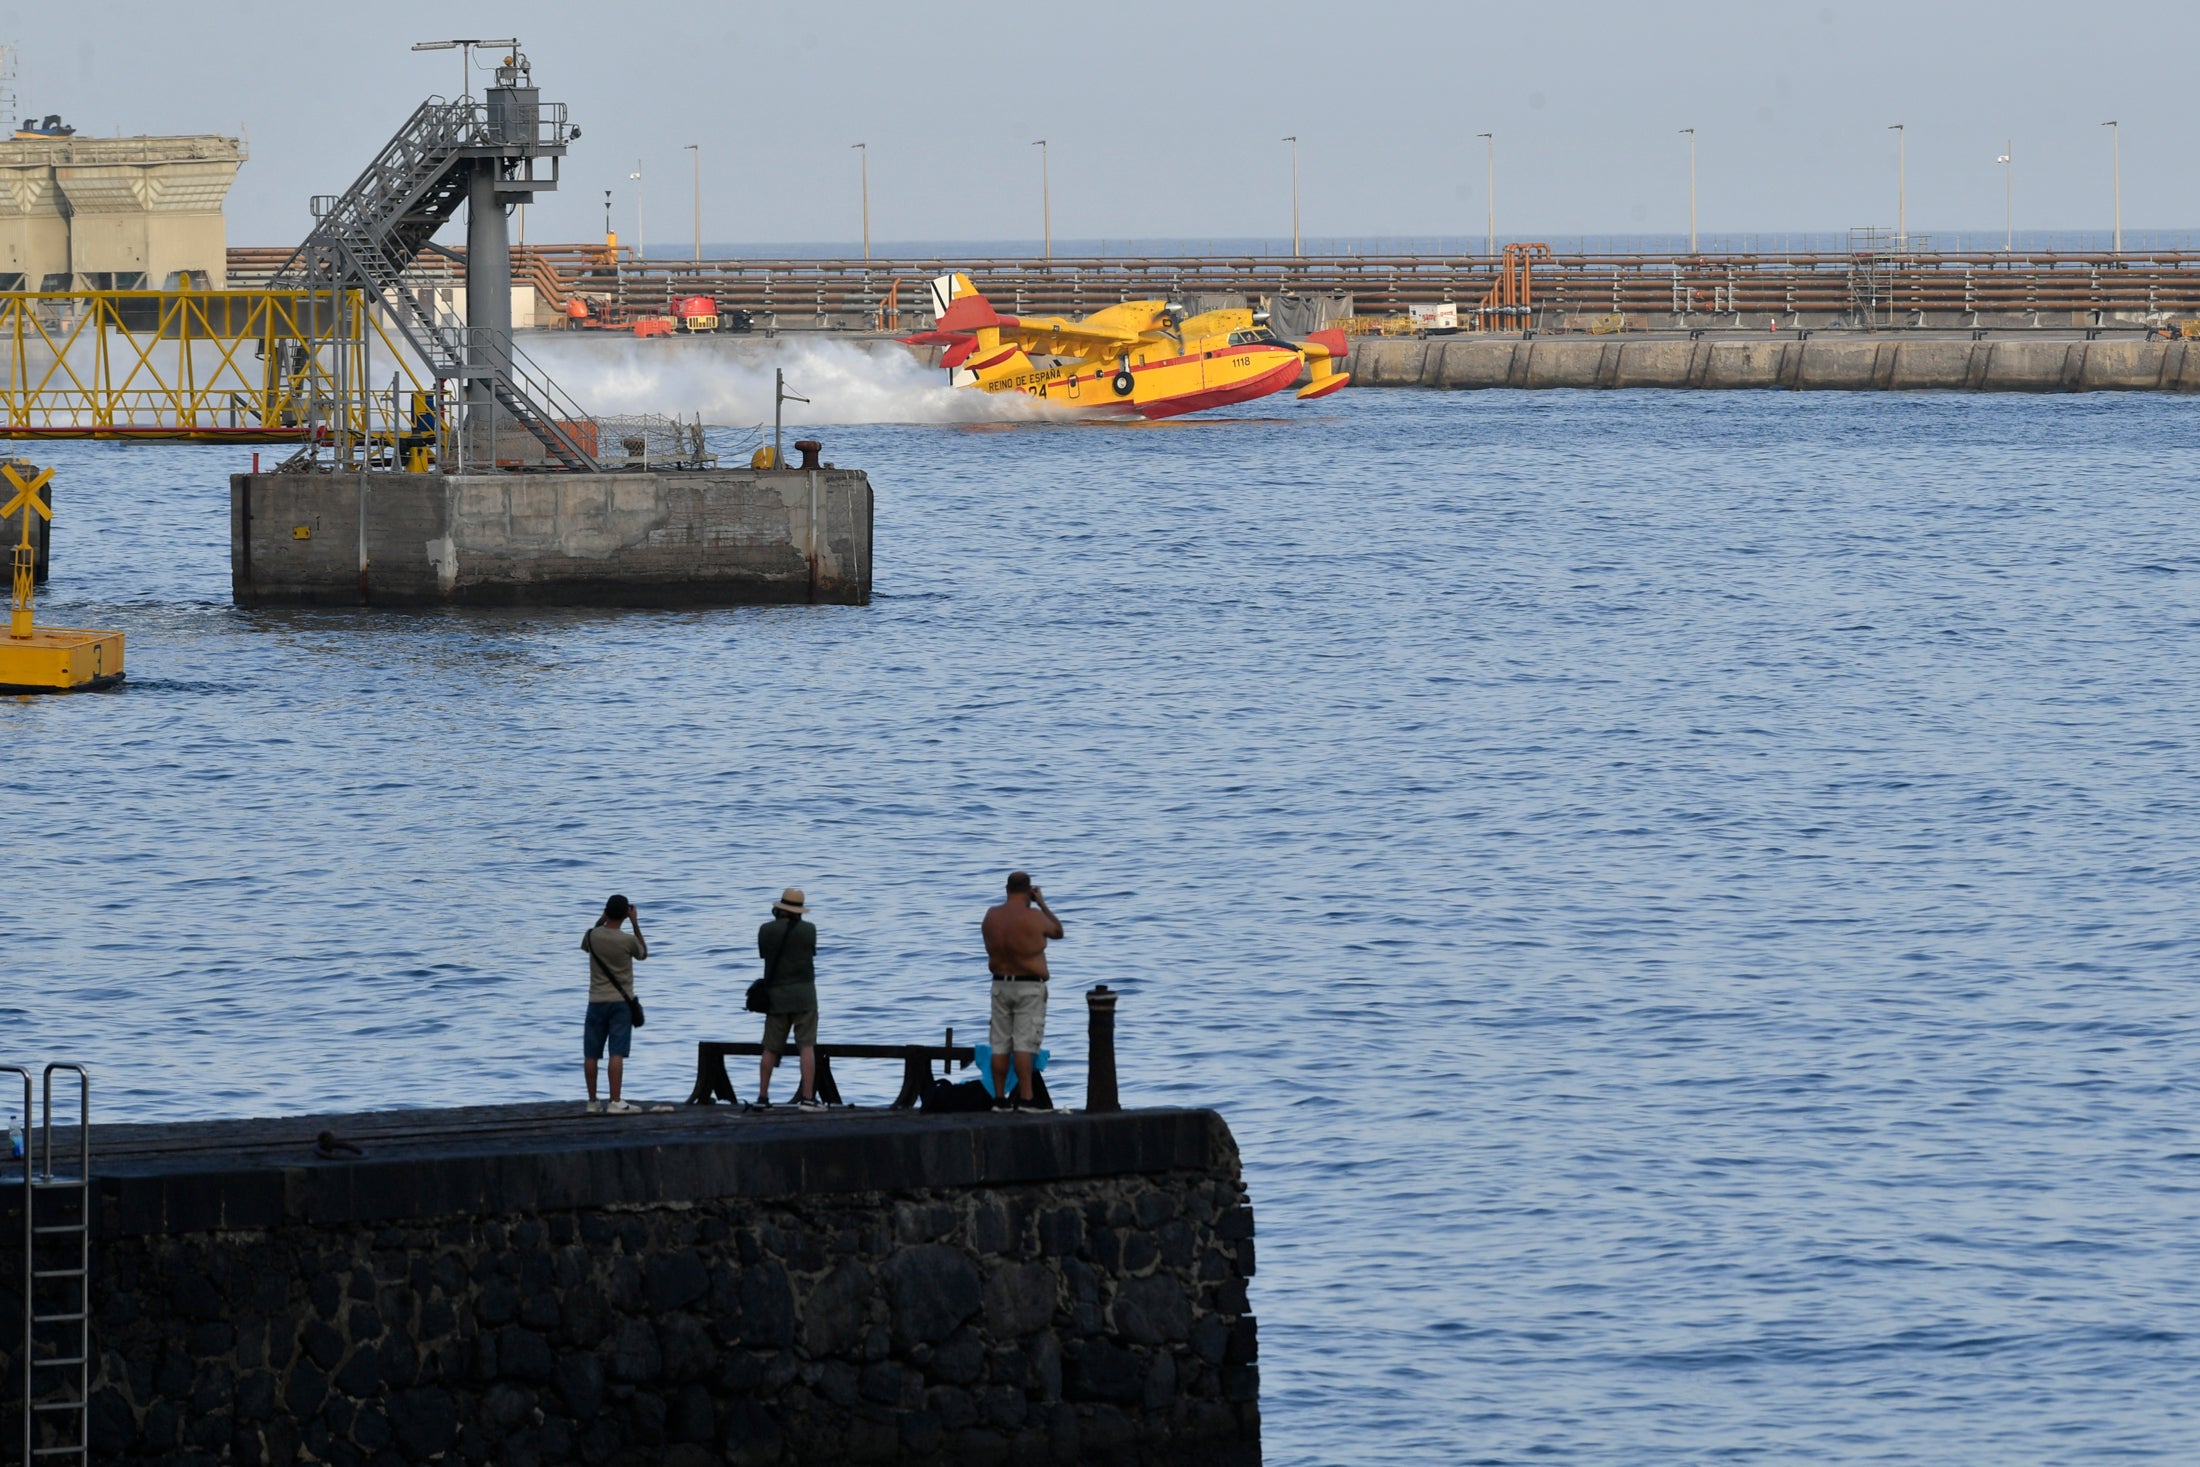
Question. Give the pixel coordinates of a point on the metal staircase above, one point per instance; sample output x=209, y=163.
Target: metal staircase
x=364, y=238
x=56, y=1343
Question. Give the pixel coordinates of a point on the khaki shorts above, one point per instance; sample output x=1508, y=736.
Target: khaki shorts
x=1019, y=1015
x=803, y=1024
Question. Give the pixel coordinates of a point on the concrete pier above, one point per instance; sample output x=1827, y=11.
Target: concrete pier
x=1850, y=362
x=634, y=538
x=525, y=1284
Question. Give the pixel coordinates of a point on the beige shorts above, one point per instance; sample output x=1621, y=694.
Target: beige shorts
x=803, y=1024
x=1019, y=1016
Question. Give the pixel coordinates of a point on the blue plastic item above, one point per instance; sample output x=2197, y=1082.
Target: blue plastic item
x=984, y=1064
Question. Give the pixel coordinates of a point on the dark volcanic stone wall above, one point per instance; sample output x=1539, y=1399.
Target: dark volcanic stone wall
x=1100, y=1321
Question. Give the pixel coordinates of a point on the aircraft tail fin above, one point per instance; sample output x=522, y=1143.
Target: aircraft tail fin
x=957, y=305
x=967, y=324
x=1325, y=353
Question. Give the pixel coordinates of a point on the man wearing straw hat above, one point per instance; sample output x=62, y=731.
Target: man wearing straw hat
x=788, y=946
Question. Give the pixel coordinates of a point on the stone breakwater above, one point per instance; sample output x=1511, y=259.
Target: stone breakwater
x=1850, y=363
x=691, y=1290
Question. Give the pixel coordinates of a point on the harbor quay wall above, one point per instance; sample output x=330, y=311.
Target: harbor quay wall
x=1848, y=364
x=635, y=538
x=893, y=1289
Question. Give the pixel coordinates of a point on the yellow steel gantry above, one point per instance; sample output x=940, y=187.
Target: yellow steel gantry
x=236, y=366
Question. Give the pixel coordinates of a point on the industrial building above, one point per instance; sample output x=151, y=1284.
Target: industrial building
x=80, y=213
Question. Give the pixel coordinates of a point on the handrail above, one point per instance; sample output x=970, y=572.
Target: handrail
x=83, y=1116
x=29, y=1309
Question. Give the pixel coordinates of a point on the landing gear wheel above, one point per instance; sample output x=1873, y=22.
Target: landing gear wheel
x=1122, y=384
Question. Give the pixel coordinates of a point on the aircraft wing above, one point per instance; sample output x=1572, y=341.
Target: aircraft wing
x=1052, y=336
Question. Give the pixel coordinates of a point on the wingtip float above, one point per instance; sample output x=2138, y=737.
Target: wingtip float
x=1136, y=357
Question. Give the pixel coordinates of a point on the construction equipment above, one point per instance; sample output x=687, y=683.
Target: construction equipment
x=695, y=313
x=35, y=659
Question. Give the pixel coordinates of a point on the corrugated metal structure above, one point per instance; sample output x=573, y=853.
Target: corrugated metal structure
x=80, y=213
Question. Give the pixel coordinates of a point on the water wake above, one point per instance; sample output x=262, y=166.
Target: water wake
x=728, y=380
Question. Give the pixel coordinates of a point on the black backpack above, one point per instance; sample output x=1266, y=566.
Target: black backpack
x=945, y=1097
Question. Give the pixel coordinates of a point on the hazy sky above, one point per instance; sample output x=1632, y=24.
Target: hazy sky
x=1164, y=118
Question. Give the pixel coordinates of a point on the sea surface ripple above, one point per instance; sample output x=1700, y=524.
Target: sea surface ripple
x=1686, y=900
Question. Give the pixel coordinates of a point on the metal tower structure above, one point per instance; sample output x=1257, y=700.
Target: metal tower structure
x=484, y=153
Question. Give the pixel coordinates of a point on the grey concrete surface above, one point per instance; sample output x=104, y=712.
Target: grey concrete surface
x=637, y=538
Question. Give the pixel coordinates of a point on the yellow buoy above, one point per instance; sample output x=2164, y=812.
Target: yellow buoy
x=36, y=659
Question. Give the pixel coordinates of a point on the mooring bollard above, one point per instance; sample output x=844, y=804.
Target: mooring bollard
x=1100, y=1050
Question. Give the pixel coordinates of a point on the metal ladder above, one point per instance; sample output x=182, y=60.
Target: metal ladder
x=56, y=1282
x=369, y=234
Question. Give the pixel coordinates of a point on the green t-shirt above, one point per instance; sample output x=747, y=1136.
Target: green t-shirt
x=794, y=979
x=617, y=948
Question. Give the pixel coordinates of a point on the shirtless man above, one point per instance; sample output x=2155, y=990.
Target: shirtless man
x=1016, y=934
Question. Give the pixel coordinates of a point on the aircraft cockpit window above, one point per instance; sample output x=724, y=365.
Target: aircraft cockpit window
x=1259, y=336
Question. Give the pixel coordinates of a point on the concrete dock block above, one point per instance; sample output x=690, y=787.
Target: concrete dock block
x=1742, y=365
x=1655, y=364
x=651, y=538
x=1835, y=366
x=1926, y=364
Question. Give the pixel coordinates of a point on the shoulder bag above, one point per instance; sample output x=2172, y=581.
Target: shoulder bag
x=633, y=1004
x=760, y=992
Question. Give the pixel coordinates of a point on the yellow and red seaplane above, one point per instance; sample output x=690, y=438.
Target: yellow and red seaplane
x=1144, y=357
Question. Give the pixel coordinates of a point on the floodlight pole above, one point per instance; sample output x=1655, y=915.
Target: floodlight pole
x=865, y=150
x=697, y=150
x=641, y=240
x=1691, y=188
x=1491, y=139
x=2008, y=196
x=1901, y=185
x=1293, y=140
x=1046, y=200
x=2116, y=144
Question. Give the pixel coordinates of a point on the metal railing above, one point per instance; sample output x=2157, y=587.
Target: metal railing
x=254, y=366
x=1909, y=279
x=370, y=234
x=56, y=1281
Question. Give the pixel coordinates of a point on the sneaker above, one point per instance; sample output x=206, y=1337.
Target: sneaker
x=621, y=1108
x=595, y=1107
x=760, y=1103
x=809, y=1102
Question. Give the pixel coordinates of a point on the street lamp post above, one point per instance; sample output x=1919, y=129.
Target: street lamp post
x=2008, y=197
x=641, y=240
x=1293, y=140
x=697, y=150
x=1901, y=185
x=2116, y=145
x=1491, y=139
x=1691, y=188
x=865, y=150
x=1046, y=200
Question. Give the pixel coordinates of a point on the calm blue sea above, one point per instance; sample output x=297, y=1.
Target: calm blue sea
x=1686, y=901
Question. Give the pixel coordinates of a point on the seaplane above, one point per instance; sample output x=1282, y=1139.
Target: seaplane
x=1136, y=357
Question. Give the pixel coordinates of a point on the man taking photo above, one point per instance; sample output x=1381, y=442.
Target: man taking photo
x=1016, y=934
